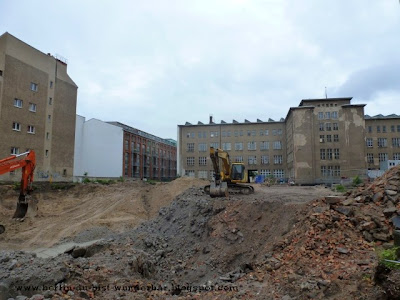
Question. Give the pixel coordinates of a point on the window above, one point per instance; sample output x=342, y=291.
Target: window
x=328, y=126
x=334, y=115
x=321, y=127
x=335, y=126
x=383, y=128
x=1, y=72
x=238, y=158
x=49, y=118
x=18, y=103
x=50, y=101
x=322, y=154
x=392, y=128
x=369, y=129
x=278, y=159
x=396, y=156
x=31, y=129
x=329, y=138
x=51, y=84
x=396, y=142
x=47, y=153
x=266, y=132
x=190, y=147
x=252, y=160
x=336, y=153
x=336, y=138
x=213, y=133
x=261, y=132
x=398, y=128
x=378, y=128
x=126, y=143
x=277, y=145
x=383, y=157
x=320, y=116
x=14, y=150
x=199, y=134
x=369, y=142
x=279, y=173
x=251, y=146
x=279, y=131
x=236, y=133
x=16, y=126
x=264, y=145
x=274, y=132
x=241, y=132
x=204, y=134
x=329, y=154
x=265, y=172
x=248, y=133
x=370, y=158
x=224, y=133
x=328, y=115
x=265, y=159
x=214, y=145
x=32, y=107
x=322, y=139
x=324, y=172
x=239, y=146
x=228, y=133
x=190, y=161
x=226, y=146
x=190, y=173
x=202, y=161
x=382, y=142
x=202, y=174
x=47, y=135
x=34, y=87
x=202, y=147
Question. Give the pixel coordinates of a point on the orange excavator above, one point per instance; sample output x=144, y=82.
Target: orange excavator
x=27, y=164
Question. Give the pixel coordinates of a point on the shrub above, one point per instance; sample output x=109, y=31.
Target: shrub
x=357, y=180
x=389, y=254
x=340, y=188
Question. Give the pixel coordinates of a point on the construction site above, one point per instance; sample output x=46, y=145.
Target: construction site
x=154, y=240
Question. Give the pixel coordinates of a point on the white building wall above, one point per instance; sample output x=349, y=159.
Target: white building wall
x=78, y=163
x=101, y=153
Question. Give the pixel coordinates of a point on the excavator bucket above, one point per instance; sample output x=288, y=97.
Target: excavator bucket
x=26, y=207
x=219, y=190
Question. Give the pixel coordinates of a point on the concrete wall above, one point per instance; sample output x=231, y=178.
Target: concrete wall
x=98, y=149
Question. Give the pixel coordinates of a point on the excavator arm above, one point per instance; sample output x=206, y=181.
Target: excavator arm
x=221, y=172
x=28, y=167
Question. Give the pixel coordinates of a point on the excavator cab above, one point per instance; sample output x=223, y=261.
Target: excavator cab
x=238, y=173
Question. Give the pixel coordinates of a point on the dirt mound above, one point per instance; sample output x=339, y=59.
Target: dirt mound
x=64, y=213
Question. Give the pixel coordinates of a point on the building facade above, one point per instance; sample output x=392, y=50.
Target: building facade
x=113, y=149
x=37, y=109
x=320, y=141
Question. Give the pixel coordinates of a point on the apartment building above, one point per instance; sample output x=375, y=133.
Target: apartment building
x=113, y=149
x=37, y=109
x=319, y=141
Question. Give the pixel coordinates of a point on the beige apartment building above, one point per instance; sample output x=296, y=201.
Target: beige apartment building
x=320, y=141
x=37, y=109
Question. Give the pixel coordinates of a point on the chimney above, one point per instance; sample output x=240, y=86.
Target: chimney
x=211, y=119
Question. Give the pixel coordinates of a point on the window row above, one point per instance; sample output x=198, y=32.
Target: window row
x=16, y=151
x=17, y=127
x=329, y=154
x=382, y=157
x=328, y=126
x=328, y=138
x=383, y=129
x=251, y=160
x=236, y=133
x=328, y=115
x=19, y=103
x=330, y=171
x=382, y=142
x=202, y=147
x=209, y=174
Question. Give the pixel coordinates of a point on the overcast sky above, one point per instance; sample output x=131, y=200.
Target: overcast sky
x=153, y=64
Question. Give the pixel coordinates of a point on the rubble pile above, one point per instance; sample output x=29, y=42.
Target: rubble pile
x=331, y=251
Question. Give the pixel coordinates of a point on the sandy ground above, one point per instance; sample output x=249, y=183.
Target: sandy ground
x=65, y=213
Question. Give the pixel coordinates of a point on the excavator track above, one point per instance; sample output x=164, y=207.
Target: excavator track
x=233, y=188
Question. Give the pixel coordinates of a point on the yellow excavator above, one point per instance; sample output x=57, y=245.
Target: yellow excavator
x=229, y=177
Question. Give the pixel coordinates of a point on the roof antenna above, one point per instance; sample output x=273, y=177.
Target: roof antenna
x=326, y=94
